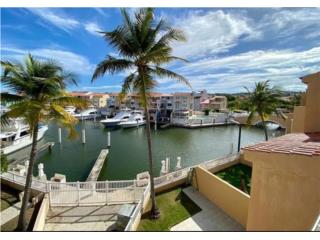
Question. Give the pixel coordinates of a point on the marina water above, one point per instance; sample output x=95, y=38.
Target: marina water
x=128, y=152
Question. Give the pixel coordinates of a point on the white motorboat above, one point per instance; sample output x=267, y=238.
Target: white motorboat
x=121, y=116
x=90, y=113
x=135, y=120
x=18, y=136
x=70, y=109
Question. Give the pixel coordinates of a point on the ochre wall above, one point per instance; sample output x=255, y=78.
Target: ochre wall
x=298, y=124
x=285, y=191
x=312, y=115
x=231, y=200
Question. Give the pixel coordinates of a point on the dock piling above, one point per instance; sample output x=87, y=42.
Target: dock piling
x=109, y=139
x=59, y=135
x=83, y=136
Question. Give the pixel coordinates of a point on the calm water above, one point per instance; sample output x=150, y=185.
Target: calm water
x=128, y=153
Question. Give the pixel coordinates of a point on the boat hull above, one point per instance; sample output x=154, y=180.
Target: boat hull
x=111, y=123
x=24, y=141
x=132, y=124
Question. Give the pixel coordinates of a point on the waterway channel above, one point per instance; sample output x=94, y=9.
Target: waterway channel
x=128, y=152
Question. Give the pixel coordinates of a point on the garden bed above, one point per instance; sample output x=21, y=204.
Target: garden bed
x=238, y=175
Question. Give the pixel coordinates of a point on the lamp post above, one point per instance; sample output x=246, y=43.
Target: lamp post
x=239, y=135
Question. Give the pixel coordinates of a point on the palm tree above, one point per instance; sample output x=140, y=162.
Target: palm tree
x=41, y=96
x=263, y=100
x=143, y=45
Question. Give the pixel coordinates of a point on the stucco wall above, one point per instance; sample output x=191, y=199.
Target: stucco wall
x=42, y=214
x=312, y=112
x=285, y=192
x=298, y=124
x=231, y=200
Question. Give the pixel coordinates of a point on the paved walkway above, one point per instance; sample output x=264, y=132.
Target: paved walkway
x=210, y=218
x=10, y=213
x=83, y=218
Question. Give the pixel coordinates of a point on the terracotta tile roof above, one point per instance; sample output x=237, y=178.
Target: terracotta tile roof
x=295, y=143
x=99, y=94
x=80, y=94
x=182, y=94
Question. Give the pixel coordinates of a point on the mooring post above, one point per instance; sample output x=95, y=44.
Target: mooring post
x=83, y=136
x=59, y=135
x=178, y=166
x=109, y=139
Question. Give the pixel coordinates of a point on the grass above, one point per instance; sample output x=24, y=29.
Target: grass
x=238, y=175
x=8, y=197
x=174, y=207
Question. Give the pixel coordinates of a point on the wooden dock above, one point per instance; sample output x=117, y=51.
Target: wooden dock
x=95, y=171
x=41, y=148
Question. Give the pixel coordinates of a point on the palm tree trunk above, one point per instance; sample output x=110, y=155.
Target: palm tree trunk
x=264, y=128
x=154, y=210
x=22, y=223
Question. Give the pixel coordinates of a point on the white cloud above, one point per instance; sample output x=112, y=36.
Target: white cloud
x=229, y=74
x=286, y=23
x=71, y=61
x=93, y=28
x=211, y=32
x=63, y=22
x=101, y=12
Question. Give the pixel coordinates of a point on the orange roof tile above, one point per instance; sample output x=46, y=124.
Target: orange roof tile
x=294, y=143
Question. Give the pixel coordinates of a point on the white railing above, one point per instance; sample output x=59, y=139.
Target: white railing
x=138, y=209
x=183, y=173
x=94, y=193
x=21, y=180
x=84, y=193
x=200, y=121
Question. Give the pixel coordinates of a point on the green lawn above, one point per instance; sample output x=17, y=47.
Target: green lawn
x=238, y=175
x=174, y=207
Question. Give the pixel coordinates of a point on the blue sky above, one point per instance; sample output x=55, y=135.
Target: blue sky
x=226, y=48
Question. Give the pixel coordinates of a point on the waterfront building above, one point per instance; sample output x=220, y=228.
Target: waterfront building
x=98, y=100
x=198, y=98
x=216, y=103
x=182, y=101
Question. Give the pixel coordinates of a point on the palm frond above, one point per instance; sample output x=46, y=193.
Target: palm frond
x=111, y=65
x=11, y=98
x=161, y=72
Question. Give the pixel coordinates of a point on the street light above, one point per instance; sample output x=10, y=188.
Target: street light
x=239, y=135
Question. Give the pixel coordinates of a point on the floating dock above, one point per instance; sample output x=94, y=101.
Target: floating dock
x=95, y=171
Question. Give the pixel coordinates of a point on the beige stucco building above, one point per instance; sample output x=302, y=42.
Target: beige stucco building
x=216, y=103
x=285, y=193
x=285, y=181
x=98, y=100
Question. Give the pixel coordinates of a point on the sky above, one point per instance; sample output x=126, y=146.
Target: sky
x=226, y=48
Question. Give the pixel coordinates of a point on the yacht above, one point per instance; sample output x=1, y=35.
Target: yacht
x=18, y=136
x=135, y=120
x=90, y=113
x=70, y=109
x=121, y=116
